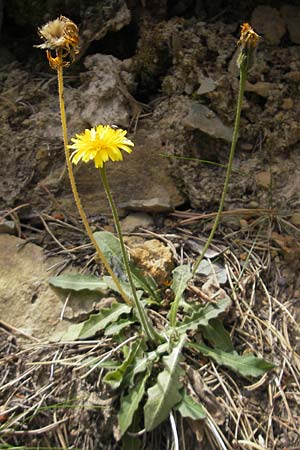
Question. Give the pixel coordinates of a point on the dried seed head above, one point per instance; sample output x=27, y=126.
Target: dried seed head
x=60, y=34
x=249, y=39
x=248, y=43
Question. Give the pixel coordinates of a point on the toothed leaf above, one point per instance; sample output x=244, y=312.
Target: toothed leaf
x=96, y=322
x=78, y=282
x=181, y=277
x=188, y=407
x=218, y=336
x=245, y=365
x=115, y=377
x=166, y=392
x=203, y=314
x=130, y=403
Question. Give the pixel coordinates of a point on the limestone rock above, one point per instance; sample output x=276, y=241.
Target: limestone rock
x=291, y=16
x=135, y=221
x=206, y=85
x=154, y=257
x=102, y=17
x=268, y=22
x=263, y=179
x=154, y=205
x=142, y=182
x=261, y=88
x=200, y=117
x=101, y=99
x=26, y=300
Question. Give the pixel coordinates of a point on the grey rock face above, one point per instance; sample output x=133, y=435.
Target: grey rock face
x=200, y=117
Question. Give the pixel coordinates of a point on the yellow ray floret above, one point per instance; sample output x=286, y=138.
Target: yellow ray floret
x=100, y=144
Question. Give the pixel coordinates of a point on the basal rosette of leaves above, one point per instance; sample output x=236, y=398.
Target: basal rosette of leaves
x=150, y=382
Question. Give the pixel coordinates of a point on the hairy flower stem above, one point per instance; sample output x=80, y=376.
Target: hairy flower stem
x=243, y=76
x=148, y=329
x=73, y=183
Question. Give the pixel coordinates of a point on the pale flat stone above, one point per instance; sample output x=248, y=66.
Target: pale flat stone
x=200, y=117
x=261, y=88
x=136, y=221
x=26, y=300
x=263, y=179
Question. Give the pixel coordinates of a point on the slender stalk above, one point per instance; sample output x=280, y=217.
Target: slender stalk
x=243, y=75
x=150, y=332
x=73, y=183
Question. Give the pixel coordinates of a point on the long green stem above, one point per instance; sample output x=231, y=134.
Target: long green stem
x=243, y=75
x=73, y=183
x=150, y=332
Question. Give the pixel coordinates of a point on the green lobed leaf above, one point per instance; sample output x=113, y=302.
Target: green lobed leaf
x=166, y=391
x=96, y=322
x=181, y=277
x=188, y=407
x=218, y=336
x=78, y=282
x=130, y=403
x=115, y=377
x=203, y=314
x=245, y=365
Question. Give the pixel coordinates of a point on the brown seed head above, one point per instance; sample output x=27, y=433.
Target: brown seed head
x=60, y=34
x=249, y=39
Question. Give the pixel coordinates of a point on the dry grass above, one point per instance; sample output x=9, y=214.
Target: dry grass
x=52, y=396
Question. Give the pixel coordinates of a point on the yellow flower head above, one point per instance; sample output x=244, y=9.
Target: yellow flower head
x=62, y=36
x=100, y=144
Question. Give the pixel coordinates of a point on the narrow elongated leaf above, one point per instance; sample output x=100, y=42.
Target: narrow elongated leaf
x=245, y=365
x=145, y=282
x=181, y=277
x=203, y=315
x=115, y=377
x=99, y=321
x=78, y=282
x=95, y=322
x=130, y=403
x=166, y=392
x=116, y=327
x=110, y=246
x=218, y=336
x=141, y=364
x=125, y=286
x=188, y=407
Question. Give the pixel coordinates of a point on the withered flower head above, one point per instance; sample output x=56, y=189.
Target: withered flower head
x=60, y=35
x=248, y=43
x=248, y=39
